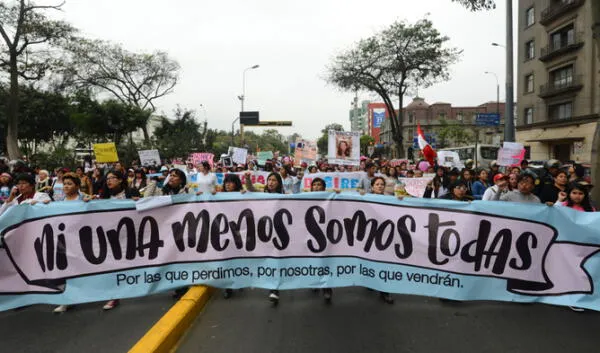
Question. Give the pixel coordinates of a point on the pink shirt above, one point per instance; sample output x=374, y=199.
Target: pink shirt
x=575, y=207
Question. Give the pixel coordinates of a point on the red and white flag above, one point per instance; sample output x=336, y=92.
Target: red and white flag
x=426, y=149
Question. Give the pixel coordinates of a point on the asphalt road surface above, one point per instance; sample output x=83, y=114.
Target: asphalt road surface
x=84, y=329
x=358, y=321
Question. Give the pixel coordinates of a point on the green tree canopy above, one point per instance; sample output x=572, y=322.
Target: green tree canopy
x=402, y=57
x=27, y=37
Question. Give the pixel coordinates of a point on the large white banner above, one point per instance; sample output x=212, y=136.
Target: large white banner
x=344, y=147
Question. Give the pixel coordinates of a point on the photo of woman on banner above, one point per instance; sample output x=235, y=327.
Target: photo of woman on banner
x=344, y=147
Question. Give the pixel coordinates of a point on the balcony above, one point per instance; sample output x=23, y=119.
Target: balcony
x=552, y=51
x=558, y=9
x=552, y=89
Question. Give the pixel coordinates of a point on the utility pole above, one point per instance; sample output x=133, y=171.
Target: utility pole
x=509, y=119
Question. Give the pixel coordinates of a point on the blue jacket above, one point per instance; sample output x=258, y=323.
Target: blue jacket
x=478, y=189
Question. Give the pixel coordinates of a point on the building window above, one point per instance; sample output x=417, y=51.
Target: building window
x=530, y=50
x=460, y=117
x=528, y=116
x=529, y=82
x=530, y=17
x=561, y=111
x=563, y=37
x=562, y=77
x=410, y=118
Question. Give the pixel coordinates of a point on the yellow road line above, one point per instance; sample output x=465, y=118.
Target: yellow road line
x=165, y=334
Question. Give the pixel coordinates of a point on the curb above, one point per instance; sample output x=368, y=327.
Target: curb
x=165, y=334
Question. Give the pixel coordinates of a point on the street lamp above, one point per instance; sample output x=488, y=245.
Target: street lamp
x=509, y=119
x=497, y=91
x=241, y=98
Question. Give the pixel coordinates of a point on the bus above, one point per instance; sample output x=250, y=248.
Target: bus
x=482, y=155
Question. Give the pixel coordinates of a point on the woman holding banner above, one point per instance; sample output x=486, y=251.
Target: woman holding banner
x=117, y=189
x=231, y=183
x=274, y=186
x=72, y=190
x=378, y=188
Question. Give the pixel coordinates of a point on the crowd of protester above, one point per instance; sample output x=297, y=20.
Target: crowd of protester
x=554, y=185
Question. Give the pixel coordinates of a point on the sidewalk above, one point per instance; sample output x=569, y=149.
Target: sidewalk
x=85, y=328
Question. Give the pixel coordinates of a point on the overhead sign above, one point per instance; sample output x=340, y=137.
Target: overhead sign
x=106, y=152
x=274, y=123
x=487, y=119
x=429, y=137
x=249, y=118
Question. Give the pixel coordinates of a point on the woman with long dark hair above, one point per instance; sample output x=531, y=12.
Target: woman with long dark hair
x=577, y=197
x=378, y=188
x=116, y=189
x=438, y=186
x=274, y=186
x=231, y=183
x=481, y=184
x=139, y=181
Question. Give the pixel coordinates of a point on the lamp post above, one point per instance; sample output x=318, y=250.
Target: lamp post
x=242, y=98
x=509, y=120
x=497, y=91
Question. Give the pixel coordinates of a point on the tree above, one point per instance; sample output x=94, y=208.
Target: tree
x=455, y=132
x=24, y=26
x=400, y=58
x=322, y=141
x=477, y=5
x=137, y=79
x=179, y=137
x=104, y=121
x=365, y=142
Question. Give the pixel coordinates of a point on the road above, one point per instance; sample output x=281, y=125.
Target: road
x=357, y=321
x=86, y=328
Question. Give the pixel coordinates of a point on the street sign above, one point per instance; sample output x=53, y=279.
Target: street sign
x=249, y=118
x=488, y=119
x=274, y=123
x=429, y=137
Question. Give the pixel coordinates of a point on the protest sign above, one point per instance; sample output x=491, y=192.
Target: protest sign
x=238, y=155
x=416, y=186
x=198, y=158
x=149, y=158
x=397, y=162
x=449, y=159
x=511, y=154
x=65, y=252
x=305, y=152
x=263, y=156
x=343, y=181
x=343, y=147
x=106, y=152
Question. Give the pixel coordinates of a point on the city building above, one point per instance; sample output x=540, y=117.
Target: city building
x=558, y=79
x=441, y=122
x=358, y=116
x=376, y=115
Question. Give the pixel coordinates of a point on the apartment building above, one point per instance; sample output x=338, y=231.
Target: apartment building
x=558, y=79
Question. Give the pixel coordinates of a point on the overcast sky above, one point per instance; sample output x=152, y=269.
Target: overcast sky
x=293, y=42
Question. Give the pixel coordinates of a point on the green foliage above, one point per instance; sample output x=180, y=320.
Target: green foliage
x=365, y=142
x=322, y=141
x=179, y=137
x=401, y=57
x=59, y=156
x=453, y=132
x=477, y=5
x=27, y=36
x=136, y=79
